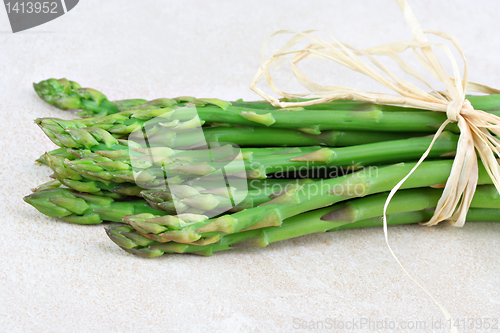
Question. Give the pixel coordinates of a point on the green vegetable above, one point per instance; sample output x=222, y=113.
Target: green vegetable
x=407, y=206
x=89, y=132
x=84, y=208
x=66, y=94
x=111, y=177
x=305, y=198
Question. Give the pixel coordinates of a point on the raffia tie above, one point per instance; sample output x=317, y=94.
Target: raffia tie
x=476, y=127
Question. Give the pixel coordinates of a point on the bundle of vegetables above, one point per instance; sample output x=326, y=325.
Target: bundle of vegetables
x=348, y=154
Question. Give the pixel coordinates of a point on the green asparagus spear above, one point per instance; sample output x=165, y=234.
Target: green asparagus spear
x=246, y=136
x=84, y=208
x=89, y=132
x=479, y=102
x=407, y=206
x=66, y=94
x=383, y=152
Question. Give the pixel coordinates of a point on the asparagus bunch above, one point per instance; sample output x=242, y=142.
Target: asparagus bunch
x=153, y=165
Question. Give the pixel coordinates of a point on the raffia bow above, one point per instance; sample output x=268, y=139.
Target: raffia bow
x=476, y=127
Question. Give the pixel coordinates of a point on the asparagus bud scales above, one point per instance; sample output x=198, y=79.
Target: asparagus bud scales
x=213, y=165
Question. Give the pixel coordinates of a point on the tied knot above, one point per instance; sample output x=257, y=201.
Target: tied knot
x=454, y=109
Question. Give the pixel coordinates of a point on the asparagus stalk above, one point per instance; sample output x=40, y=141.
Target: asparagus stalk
x=86, y=133
x=305, y=198
x=382, y=152
x=479, y=102
x=246, y=136
x=243, y=136
x=407, y=206
x=89, y=132
x=66, y=94
x=84, y=208
x=133, y=242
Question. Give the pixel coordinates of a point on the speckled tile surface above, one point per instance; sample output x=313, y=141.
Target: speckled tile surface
x=57, y=277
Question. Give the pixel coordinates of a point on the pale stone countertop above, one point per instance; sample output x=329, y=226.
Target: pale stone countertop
x=58, y=277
